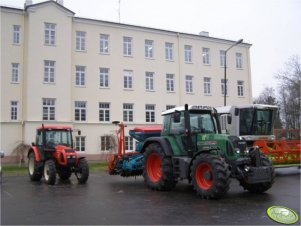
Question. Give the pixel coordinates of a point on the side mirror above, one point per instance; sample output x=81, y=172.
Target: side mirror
x=33, y=144
x=177, y=117
x=236, y=111
x=229, y=119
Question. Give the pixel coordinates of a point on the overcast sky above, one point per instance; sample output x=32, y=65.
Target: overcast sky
x=272, y=26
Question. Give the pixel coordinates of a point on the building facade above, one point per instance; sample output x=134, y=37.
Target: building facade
x=60, y=69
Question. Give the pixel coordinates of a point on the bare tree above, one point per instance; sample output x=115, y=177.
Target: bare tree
x=289, y=92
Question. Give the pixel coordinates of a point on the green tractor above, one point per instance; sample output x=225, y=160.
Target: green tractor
x=192, y=147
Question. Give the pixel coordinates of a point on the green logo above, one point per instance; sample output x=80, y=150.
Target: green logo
x=282, y=214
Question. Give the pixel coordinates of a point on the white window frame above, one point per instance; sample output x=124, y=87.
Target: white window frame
x=105, y=143
x=128, y=79
x=240, y=88
x=149, y=81
x=80, y=111
x=188, y=53
x=127, y=46
x=128, y=112
x=14, y=110
x=170, y=82
x=189, y=83
x=169, y=56
x=206, y=56
x=239, y=61
x=104, y=41
x=15, y=73
x=129, y=143
x=80, y=41
x=104, y=112
x=149, y=49
x=104, y=77
x=48, y=109
x=49, y=71
x=223, y=87
x=16, y=34
x=168, y=107
x=80, y=75
x=150, y=113
x=222, y=55
x=207, y=86
x=49, y=34
x=80, y=144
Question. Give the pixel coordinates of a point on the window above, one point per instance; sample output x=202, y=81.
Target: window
x=48, y=109
x=240, y=88
x=238, y=60
x=80, y=111
x=14, y=108
x=168, y=51
x=223, y=86
x=189, y=83
x=49, y=71
x=127, y=79
x=104, y=43
x=80, y=40
x=207, y=86
x=49, y=33
x=188, y=53
x=80, y=74
x=150, y=113
x=80, y=143
x=170, y=82
x=168, y=107
x=129, y=143
x=104, y=112
x=127, y=46
x=16, y=34
x=128, y=112
x=15, y=73
x=105, y=143
x=149, y=48
x=206, y=56
x=104, y=77
x=222, y=56
x=149, y=81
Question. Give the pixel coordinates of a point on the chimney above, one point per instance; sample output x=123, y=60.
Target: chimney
x=204, y=33
x=27, y=3
x=61, y=2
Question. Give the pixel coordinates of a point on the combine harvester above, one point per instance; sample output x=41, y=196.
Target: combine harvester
x=255, y=124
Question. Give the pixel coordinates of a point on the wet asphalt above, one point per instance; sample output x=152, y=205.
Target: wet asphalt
x=113, y=200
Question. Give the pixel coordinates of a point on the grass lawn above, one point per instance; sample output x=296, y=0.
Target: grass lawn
x=16, y=170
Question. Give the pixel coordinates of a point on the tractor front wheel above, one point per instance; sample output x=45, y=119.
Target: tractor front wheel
x=157, y=170
x=210, y=176
x=82, y=171
x=50, y=172
x=35, y=174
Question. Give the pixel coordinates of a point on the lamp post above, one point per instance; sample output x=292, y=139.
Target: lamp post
x=225, y=68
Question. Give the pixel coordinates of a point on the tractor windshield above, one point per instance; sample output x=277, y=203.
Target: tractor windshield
x=58, y=137
x=256, y=121
x=201, y=123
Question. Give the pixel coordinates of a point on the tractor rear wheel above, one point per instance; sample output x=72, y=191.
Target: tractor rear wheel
x=50, y=172
x=65, y=173
x=82, y=171
x=260, y=187
x=157, y=170
x=210, y=176
x=35, y=174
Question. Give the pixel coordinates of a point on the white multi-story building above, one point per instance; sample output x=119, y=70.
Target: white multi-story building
x=64, y=70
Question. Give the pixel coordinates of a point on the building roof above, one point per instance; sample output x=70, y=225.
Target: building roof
x=48, y=2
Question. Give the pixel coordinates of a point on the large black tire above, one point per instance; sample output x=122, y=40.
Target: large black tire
x=34, y=173
x=210, y=176
x=260, y=187
x=49, y=172
x=158, y=169
x=64, y=173
x=82, y=171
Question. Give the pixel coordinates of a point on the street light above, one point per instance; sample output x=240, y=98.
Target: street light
x=225, y=68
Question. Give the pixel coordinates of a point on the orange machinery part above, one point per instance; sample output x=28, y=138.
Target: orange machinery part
x=281, y=151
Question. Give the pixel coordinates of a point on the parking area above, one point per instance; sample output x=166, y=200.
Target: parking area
x=113, y=200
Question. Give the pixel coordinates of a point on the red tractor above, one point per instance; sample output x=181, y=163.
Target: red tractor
x=53, y=154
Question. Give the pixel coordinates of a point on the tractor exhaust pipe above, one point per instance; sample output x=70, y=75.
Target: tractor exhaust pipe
x=189, y=144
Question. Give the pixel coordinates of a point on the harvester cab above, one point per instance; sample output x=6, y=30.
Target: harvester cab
x=53, y=153
x=190, y=146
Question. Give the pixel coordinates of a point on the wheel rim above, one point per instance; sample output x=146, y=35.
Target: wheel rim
x=46, y=172
x=153, y=167
x=203, y=176
x=31, y=165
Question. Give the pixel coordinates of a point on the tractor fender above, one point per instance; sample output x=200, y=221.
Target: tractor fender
x=163, y=142
x=36, y=153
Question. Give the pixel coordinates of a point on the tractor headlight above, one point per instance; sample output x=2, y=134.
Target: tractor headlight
x=237, y=150
x=247, y=168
